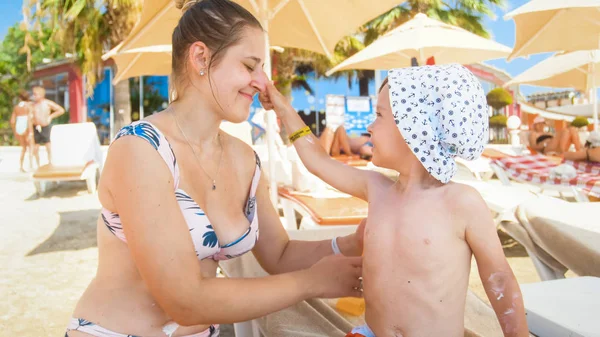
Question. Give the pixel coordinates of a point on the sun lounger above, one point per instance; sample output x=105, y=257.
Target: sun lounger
x=76, y=155
x=536, y=169
x=583, y=166
x=322, y=208
x=481, y=167
x=567, y=307
x=501, y=200
x=494, y=153
x=318, y=318
x=559, y=235
x=353, y=160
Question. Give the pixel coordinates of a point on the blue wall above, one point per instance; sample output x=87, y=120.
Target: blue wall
x=312, y=107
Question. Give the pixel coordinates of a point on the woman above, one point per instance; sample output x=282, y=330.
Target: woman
x=337, y=142
x=179, y=195
x=591, y=152
x=549, y=144
x=21, y=124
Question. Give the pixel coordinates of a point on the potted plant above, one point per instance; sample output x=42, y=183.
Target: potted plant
x=581, y=124
x=498, y=98
x=498, y=126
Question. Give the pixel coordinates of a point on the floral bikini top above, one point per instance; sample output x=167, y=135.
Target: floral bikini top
x=203, y=235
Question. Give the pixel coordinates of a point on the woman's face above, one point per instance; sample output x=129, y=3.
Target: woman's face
x=539, y=127
x=239, y=76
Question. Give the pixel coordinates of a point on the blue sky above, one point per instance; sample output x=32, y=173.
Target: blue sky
x=502, y=31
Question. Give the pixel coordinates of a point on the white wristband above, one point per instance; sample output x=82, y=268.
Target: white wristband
x=334, y=246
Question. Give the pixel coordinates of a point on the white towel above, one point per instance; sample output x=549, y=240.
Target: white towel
x=564, y=171
x=594, y=139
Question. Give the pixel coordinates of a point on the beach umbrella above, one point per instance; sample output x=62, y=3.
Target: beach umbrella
x=579, y=70
x=423, y=38
x=144, y=61
x=555, y=25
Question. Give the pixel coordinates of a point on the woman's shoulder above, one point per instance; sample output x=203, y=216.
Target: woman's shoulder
x=22, y=107
x=142, y=129
x=239, y=149
x=139, y=148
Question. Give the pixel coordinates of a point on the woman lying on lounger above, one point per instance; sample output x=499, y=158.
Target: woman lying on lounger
x=337, y=142
x=548, y=144
x=591, y=152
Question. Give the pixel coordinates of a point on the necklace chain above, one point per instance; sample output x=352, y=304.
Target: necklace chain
x=214, y=181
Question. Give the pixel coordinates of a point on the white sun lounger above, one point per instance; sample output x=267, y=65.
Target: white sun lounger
x=502, y=200
x=532, y=177
x=559, y=308
x=76, y=155
x=559, y=235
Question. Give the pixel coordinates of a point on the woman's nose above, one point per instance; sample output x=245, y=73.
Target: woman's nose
x=259, y=81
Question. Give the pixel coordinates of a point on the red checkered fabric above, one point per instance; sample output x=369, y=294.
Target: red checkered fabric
x=583, y=166
x=536, y=169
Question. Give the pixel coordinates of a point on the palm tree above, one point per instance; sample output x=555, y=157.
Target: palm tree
x=87, y=29
x=291, y=67
x=467, y=14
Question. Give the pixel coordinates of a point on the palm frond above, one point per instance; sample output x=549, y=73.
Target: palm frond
x=88, y=28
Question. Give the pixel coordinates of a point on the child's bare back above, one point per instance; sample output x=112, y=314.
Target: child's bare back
x=416, y=261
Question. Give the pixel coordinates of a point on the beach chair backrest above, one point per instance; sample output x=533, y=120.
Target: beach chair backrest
x=75, y=144
x=242, y=131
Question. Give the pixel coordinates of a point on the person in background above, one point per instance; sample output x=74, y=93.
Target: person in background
x=337, y=142
x=549, y=144
x=591, y=151
x=21, y=124
x=44, y=111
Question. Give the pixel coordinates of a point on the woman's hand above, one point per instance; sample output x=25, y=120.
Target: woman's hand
x=352, y=245
x=272, y=99
x=336, y=276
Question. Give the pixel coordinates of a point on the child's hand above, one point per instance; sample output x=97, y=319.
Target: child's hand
x=272, y=99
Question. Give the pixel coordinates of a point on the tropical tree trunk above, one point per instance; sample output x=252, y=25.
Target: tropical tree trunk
x=122, y=105
x=285, y=70
x=363, y=86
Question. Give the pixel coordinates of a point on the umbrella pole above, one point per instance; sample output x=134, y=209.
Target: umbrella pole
x=141, y=89
x=594, y=95
x=269, y=115
x=377, y=84
x=595, y=100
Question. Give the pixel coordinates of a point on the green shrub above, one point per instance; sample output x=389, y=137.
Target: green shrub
x=580, y=122
x=498, y=121
x=498, y=98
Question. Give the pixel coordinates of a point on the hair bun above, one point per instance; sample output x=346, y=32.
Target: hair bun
x=179, y=3
x=185, y=4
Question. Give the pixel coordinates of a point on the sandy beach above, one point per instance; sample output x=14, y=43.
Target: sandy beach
x=48, y=253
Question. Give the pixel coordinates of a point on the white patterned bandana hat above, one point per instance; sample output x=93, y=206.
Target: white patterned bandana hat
x=442, y=113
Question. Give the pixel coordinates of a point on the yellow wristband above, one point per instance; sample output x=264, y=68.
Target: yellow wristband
x=299, y=134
